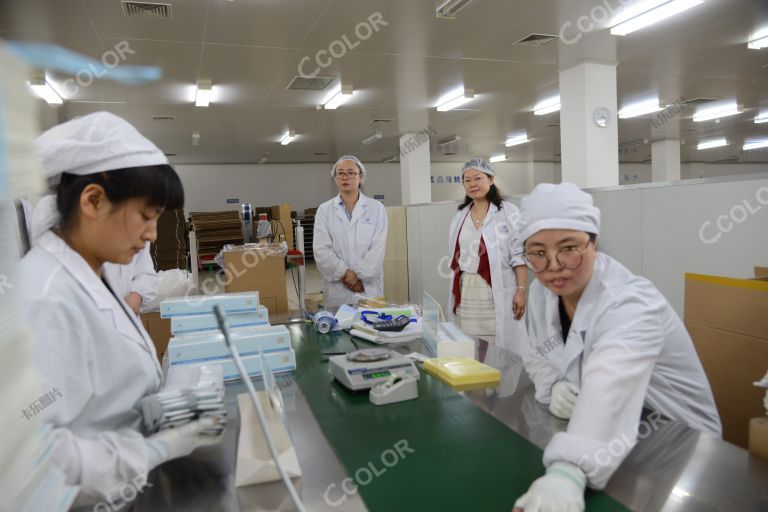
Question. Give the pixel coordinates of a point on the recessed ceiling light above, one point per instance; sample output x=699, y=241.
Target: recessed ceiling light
x=714, y=143
x=289, y=136
x=640, y=108
x=716, y=110
x=647, y=13
x=497, y=158
x=517, y=139
x=203, y=94
x=547, y=106
x=455, y=99
x=339, y=96
x=43, y=89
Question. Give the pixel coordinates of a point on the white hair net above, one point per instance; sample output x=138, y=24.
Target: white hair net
x=480, y=164
x=94, y=143
x=561, y=206
x=353, y=159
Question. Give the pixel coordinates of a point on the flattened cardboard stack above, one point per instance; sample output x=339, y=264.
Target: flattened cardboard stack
x=214, y=230
x=170, y=249
x=727, y=320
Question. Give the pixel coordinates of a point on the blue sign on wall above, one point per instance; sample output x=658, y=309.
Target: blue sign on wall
x=378, y=196
x=233, y=201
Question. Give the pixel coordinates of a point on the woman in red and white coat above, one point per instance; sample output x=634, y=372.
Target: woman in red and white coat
x=488, y=274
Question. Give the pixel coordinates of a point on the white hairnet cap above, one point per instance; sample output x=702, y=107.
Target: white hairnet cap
x=353, y=159
x=95, y=143
x=561, y=206
x=480, y=164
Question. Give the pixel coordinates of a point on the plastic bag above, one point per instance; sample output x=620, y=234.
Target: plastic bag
x=170, y=283
x=279, y=249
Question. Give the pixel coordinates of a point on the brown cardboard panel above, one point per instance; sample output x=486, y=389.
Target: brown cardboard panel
x=761, y=271
x=248, y=270
x=758, y=436
x=735, y=305
x=732, y=362
x=159, y=330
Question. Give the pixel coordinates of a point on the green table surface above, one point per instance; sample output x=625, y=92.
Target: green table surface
x=457, y=457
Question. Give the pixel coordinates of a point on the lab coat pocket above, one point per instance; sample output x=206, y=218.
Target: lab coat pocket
x=364, y=236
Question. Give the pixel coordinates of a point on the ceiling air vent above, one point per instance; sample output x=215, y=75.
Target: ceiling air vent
x=163, y=118
x=729, y=160
x=320, y=154
x=535, y=40
x=553, y=125
x=146, y=10
x=170, y=154
x=306, y=83
x=381, y=120
x=634, y=142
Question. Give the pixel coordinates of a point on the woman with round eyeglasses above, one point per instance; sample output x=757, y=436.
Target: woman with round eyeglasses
x=488, y=275
x=605, y=349
x=350, y=238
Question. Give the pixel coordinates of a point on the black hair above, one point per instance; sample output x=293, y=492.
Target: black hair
x=158, y=184
x=493, y=196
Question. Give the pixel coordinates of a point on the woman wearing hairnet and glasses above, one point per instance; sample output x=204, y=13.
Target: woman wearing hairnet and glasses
x=113, y=184
x=350, y=237
x=606, y=348
x=488, y=275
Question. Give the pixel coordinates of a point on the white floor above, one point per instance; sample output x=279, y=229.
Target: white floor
x=314, y=283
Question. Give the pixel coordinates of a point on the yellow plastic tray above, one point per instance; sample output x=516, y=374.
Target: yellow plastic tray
x=463, y=374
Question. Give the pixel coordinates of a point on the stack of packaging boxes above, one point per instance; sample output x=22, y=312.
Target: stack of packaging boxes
x=196, y=339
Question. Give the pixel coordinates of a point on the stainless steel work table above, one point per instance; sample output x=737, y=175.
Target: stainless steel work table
x=674, y=468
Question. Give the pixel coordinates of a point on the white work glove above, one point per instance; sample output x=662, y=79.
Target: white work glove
x=563, y=398
x=560, y=490
x=181, y=441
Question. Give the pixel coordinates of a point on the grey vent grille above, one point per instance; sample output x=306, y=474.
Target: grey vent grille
x=304, y=83
x=381, y=120
x=163, y=118
x=147, y=10
x=536, y=40
x=634, y=142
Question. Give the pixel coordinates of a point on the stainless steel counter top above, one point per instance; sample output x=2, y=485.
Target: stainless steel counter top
x=672, y=467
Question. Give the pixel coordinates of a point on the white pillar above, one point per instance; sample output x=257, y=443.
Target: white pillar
x=415, y=168
x=665, y=160
x=590, y=156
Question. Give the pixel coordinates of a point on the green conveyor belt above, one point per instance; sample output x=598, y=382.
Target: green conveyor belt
x=462, y=458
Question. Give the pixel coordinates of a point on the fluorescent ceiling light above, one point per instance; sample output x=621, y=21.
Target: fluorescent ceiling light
x=514, y=140
x=43, y=89
x=389, y=159
x=450, y=8
x=759, y=40
x=288, y=137
x=716, y=110
x=648, y=13
x=341, y=95
x=640, y=108
x=497, y=158
x=203, y=94
x=195, y=138
x=755, y=144
x=715, y=143
x=762, y=117
x=373, y=138
x=547, y=106
x=456, y=99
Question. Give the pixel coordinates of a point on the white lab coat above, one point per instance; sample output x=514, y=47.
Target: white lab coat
x=339, y=244
x=500, y=234
x=626, y=349
x=99, y=358
x=138, y=276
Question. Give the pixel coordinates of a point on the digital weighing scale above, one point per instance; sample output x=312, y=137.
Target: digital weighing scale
x=365, y=368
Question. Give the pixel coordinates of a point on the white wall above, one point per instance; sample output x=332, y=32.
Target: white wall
x=631, y=174
x=207, y=187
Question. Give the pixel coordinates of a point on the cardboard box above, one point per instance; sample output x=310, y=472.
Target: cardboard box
x=761, y=271
x=159, y=330
x=248, y=270
x=758, y=436
x=728, y=323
